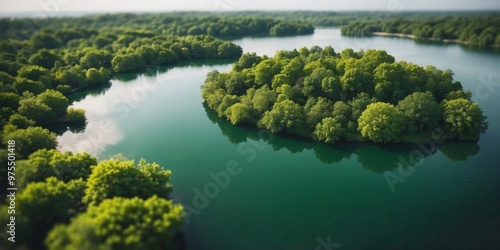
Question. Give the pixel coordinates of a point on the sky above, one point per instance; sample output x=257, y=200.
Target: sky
x=55, y=7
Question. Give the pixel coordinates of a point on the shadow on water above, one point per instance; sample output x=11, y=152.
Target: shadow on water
x=59, y=128
x=377, y=158
x=94, y=90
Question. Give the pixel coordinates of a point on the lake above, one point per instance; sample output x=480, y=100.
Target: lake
x=245, y=188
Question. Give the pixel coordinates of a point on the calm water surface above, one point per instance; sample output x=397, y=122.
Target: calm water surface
x=291, y=193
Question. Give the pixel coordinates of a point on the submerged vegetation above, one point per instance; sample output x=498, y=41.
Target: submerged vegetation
x=353, y=96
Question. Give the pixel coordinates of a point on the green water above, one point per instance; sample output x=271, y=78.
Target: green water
x=277, y=192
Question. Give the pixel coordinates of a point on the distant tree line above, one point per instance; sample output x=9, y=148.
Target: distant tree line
x=353, y=96
x=174, y=24
x=482, y=31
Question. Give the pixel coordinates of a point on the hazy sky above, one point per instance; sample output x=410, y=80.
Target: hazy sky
x=53, y=7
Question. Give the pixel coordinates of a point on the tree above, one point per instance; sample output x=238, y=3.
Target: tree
x=75, y=115
x=421, y=109
x=239, y=113
x=246, y=61
x=332, y=88
x=313, y=82
x=355, y=81
x=32, y=72
x=329, y=130
x=56, y=101
x=285, y=115
x=265, y=71
x=342, y=112
x=9, y=99
x=315, y=110
x=31, y=139
x=123, y=178
x=229, y=50
x=20, y=121
x=166, y=56
x=263, y=99
x=464, y=119
x=96, y=59
x=127, y=63
x=41, y=205
x=34, y=109
x=22, y=84
x=235, y=85
x=381, y=122
x=44, y=40
x=121, y=223
x=359, y=103
x=44, y=58
x=46, y=163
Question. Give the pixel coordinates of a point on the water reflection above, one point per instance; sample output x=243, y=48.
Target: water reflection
x=459, y=150
x=377, y=158
x=107, y=108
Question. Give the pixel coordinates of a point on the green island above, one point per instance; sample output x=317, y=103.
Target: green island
x=353, y=96
x=71, y=200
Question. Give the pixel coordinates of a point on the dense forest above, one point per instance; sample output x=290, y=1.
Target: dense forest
x=353, y=96
x=175, y=24
x=71, y=200
x=482, y=31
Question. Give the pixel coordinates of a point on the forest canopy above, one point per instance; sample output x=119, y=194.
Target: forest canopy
x=355, y=96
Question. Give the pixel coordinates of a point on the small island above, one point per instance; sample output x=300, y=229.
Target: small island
x=351, y=96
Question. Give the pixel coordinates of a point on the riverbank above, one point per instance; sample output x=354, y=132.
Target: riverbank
x=414, y=37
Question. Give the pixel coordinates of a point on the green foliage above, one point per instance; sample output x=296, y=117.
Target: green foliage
x=44, y=58
x=56, y=101
x=123, y=178
x=121, y=223
x=20, y=121
x=284, y=116
x=471, y=29
x=75, y=115
x=22, y=84
x=46, y=163
x=296, y=91
x=464, y=119
x=34, y=109
x=32, y=72
x=421, y=110
x=44, y=108
x=41, y=205
x=329, y=130
x=382, y=122
x=30, y=139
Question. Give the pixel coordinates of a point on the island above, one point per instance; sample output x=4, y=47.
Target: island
x=352, y=96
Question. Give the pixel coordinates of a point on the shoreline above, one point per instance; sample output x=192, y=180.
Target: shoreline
x=455, y=41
